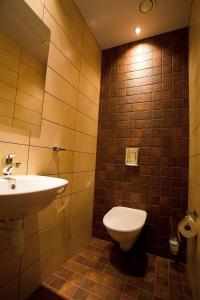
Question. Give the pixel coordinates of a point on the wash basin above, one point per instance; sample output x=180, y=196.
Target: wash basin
x=24, y=195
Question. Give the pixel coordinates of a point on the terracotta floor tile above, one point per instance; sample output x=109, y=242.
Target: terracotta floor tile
x=89, y=263
x=93, y=297
x=65, y=274
x=161, y=292
x=145, y=295
x=121, y=276
x=76, y=279
x=50, y=278
x=110, y=270
x=105, y=279
x=85, y=252
x=80, y=294
x=67, y=290
x=87, y=284
x=94, y=257
x=89, y=247
x=130, y=290
x=90, y=275
x=94, y=276
x=104, y=260
x=126, y=297
x=99, y=290
x=135, y=281
x=78, y=258
x=117, y=285
x=57, y=283
x=72, y=265
x=99, y=267
x=112, y=295
x=148, y=286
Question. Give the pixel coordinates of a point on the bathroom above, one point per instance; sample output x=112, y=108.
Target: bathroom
x=99, y=149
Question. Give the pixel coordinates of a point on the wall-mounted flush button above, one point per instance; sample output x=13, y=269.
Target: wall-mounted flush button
x=131, y=158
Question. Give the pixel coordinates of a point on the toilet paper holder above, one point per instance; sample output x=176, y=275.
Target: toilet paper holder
x=192, y=214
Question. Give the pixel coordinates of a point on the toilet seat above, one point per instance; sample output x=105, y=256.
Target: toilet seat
x=124, y=219
x=124, y=225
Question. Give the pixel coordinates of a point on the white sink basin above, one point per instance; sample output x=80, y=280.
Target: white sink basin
x=24, y=195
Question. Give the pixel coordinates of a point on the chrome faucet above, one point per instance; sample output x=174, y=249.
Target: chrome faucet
x=10, y=165
x=8, y=170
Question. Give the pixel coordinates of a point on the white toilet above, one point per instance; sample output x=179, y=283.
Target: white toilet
x=124, y=225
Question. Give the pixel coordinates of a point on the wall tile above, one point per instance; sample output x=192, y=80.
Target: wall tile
x=136, y=110
x=63, y=66
x=60, y=88
x=49, y=239
x=58, y=112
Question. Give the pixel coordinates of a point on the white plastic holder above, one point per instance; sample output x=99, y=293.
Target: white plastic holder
x=14, y=231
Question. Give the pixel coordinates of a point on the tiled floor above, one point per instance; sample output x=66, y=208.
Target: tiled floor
x=90, y=275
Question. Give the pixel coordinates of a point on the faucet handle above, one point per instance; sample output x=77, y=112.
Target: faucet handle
x=9, y=157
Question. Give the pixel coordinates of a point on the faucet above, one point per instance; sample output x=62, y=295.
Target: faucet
x=9, y=161
x=8, y=170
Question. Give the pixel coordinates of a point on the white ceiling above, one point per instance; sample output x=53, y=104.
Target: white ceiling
x=113, y=21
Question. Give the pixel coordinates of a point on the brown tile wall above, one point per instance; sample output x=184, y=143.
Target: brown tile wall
x=144, y=103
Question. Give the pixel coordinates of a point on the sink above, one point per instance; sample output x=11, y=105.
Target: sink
x=24, y=195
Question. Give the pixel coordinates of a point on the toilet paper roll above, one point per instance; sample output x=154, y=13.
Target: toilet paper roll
x=187, y=227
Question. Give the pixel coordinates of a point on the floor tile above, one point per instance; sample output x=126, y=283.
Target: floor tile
x=92, y=274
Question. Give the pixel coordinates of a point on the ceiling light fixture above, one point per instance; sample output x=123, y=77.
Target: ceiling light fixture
x=137, y=30
x=146, y=6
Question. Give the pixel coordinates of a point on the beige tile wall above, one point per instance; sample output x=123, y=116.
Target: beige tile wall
x=193, y=245
x=69, y=120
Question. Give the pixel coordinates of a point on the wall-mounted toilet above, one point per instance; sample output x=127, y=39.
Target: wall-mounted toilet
x=124, y=225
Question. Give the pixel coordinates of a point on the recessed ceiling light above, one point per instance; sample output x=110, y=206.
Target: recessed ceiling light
x=146, y=6
x=137, y=30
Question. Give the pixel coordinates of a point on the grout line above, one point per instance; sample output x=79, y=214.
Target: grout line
x=77, y=69
x=73, y=107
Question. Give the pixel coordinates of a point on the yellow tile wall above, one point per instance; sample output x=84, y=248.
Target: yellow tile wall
x=69, y=120
x=193, y=245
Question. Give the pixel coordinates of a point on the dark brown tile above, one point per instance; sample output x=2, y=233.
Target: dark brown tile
x=161, y=292
x=163, y=273
x=162, y=281
x=175, y=285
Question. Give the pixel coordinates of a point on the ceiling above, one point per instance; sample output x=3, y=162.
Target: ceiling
x=113, y=21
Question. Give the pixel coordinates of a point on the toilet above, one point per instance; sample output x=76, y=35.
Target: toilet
x=124, y=225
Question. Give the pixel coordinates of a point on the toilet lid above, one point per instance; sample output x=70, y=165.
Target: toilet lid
x=124, y=219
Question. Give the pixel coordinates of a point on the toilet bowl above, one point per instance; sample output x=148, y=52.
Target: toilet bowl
x=124, y=225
